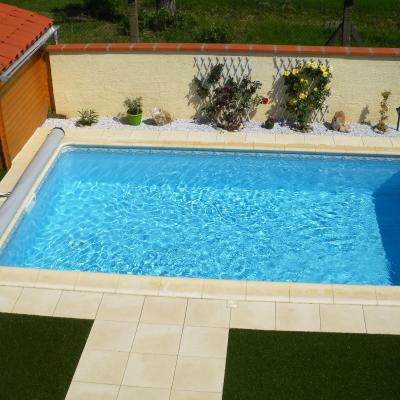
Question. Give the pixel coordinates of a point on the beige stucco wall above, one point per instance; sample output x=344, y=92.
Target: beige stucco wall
x=103, y=80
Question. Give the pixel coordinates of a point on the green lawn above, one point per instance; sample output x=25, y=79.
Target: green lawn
x=252, y=21
x=38, y=355
x=265, y=365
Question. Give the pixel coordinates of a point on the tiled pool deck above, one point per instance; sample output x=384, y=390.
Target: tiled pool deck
x=165, y=338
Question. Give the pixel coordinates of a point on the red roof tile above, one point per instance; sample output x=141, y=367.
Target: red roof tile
x=19, y=29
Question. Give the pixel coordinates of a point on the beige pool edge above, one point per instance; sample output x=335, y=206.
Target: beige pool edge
x=189, y=287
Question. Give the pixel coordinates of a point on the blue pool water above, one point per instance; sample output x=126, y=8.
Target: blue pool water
x=256, y=216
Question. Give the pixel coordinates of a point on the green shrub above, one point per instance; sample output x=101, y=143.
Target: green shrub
x=87, y=117
x=108, y=10
x=134, y=105
x=227, y=102
x=213, y=34
x=383, y=112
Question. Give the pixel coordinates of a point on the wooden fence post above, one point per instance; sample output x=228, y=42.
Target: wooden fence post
x=133, y=20
x=346, y=31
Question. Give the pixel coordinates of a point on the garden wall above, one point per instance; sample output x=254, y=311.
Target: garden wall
x=101, y=76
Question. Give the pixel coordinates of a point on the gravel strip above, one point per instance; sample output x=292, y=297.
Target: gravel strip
x=118, y=123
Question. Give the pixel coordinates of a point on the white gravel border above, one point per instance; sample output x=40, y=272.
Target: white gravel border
x=119, y=123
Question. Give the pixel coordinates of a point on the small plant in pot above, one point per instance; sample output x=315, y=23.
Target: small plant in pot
x=134, y=110
x=269, y=122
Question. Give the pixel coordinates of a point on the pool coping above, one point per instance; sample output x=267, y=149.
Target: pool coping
x=192, y=287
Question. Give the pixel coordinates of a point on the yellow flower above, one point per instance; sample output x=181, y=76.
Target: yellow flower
x=314, y=65
x=303, y=96
x=327, y=86
x=322, y=68
x=325, y=74
x=295, y=71
x=292, y=102
x=286, y=73
x=315, y=89
x=309, y=64
x=330, y=69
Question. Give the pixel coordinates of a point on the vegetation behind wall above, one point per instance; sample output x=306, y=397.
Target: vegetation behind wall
x=306, y=22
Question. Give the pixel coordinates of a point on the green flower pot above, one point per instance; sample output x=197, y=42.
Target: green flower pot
x=135, y=119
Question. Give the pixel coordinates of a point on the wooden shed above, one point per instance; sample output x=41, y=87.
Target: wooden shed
x=24, y=77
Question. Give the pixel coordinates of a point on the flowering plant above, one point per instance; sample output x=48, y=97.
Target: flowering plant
x=307, y=87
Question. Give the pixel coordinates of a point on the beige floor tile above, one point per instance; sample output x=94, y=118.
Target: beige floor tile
x=388, y=295
x=222, y=289
x=204, y=312
x=100, y=366
x=37, y=301
x=92, y=391
x=165, y=136
x=135, y=284
x=18, y=276
x=8, y=297
x=290, y=139
x=111, y=335
x=377, y=141
x=157, y=339
x=311, y=293
x=342, y=318
x=319, y=140
x=253, y=315
x=187, y=395
x=202, y=137
x=56, y=279
x=297, y=317
x=395, y=141
x=348, y=140
x=120, y=307
x=163, y=310
x=204, y=342
x=150, y=370
x=262, y=138
x=90, y=281
x=137, y=393
x=181, y=287
x=199, y=374
x=354, y=294
x=382, y=319
x=267, y=291
x=78, y=305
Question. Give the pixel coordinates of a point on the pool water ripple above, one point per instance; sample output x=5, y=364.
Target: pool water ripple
x=257, y=216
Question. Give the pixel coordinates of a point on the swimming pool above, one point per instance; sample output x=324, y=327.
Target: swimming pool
x=209, y=214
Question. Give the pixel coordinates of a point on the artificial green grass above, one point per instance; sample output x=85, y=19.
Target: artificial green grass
x=38, y=355
x=264, y=365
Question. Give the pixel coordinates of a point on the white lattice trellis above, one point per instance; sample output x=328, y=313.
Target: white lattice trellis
x=278, y=93
x=235, y=67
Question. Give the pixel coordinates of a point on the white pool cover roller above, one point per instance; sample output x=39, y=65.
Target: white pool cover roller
x=29, y=177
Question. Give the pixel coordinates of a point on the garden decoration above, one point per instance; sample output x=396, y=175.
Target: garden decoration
x=339, y=122
x=307, y=87
x=383, y=112
x=160, y=116
x=227, y=101
x=134, y=110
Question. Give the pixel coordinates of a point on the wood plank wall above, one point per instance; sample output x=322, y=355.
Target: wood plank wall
x=24, y=104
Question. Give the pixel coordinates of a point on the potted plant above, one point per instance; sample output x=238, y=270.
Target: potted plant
x=269, y=122
x=134, y=110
